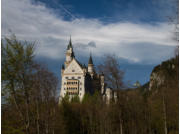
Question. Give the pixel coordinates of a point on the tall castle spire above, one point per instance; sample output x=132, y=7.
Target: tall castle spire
x=90, y=66
x=69, y=53
x=70, y=44
x=90, y=60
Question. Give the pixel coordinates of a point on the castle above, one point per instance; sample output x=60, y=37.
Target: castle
x=77, y=79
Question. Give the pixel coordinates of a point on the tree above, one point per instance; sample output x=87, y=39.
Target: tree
x=176, y=51
x=17, y=68
x=174, y=19
x=44, y=100
x=28, y=89
x=112, y=72
x=164, y=99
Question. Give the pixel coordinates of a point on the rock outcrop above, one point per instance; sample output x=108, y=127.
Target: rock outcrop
x=165, y=72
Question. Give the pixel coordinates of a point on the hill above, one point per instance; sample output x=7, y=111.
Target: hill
x=164, y=74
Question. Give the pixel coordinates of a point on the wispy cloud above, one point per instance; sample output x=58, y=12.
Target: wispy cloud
x=35, y=22
x=89, y=45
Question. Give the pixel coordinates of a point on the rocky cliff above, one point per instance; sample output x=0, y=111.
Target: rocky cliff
x=167, y=71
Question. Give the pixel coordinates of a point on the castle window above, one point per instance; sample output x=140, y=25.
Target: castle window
x=80, y=83
x=64, y=83
x=73, y=70
x=80, y=88
x=66, y=77
x=79, y=77
x=72, y=77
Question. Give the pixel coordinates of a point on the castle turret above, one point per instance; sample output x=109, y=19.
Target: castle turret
x=102, y=83
x=62, y=69
x=91, y=66
x=69, y=53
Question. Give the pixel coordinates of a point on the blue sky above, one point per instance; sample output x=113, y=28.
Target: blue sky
x=137, y=31
x=114, y=10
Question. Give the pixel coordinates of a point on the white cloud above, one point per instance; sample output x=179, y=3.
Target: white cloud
x=38, y=23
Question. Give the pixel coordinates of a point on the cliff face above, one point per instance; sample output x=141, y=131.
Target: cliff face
x=167, y=71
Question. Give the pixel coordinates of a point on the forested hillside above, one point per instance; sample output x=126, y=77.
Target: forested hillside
x=30, y=104
x=164, y=96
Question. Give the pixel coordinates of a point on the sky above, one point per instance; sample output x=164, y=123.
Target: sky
x=138, y=32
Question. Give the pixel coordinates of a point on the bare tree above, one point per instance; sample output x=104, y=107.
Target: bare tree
x=176, y=51
x=112, y=72
x=44, y=97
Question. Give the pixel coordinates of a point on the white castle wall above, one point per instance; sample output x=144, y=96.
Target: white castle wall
x=73, y=71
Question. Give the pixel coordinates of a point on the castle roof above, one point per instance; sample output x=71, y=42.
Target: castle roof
x=70, y=44
x=90, y=60
x=79, y=64
x=62, y=66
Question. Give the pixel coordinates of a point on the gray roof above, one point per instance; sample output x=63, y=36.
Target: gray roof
x=90, y=60
x=69, y=45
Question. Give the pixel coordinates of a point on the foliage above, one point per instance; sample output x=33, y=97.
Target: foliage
x=28, y=90
x=30, y=105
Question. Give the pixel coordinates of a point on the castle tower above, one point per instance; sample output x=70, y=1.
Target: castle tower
x=62, y=69
x=90, y=66
x=69, y=53
x=102, y=83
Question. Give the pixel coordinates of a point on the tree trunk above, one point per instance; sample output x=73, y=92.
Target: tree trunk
x=13, y=92
x=37, y=119
x=164, y=116
x=120, y=124
x=26, y=94
x=121, y=128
